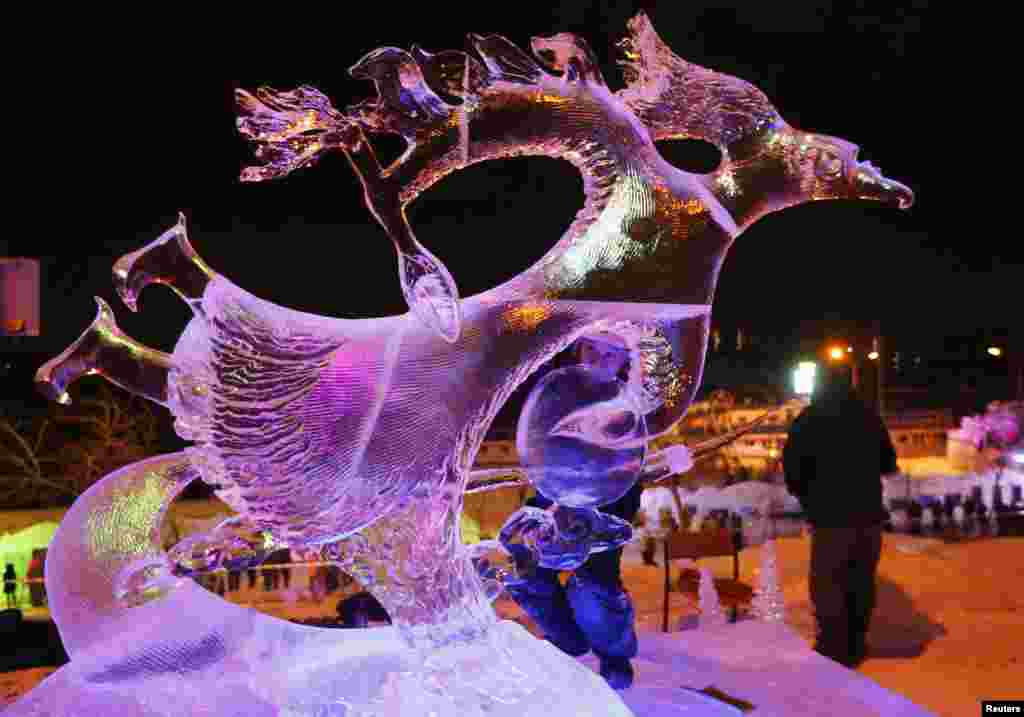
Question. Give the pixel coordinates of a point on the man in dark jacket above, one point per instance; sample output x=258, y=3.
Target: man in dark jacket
x=836, y=453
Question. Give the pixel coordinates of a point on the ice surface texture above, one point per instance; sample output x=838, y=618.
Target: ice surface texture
x=358, y=435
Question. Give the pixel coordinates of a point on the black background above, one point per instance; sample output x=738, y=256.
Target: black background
x=135, y=124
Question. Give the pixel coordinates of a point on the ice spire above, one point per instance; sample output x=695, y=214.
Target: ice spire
x=711, y=614
x=768, y=603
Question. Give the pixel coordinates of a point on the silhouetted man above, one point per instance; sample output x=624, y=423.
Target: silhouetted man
x=11, y=585
x=836, y=453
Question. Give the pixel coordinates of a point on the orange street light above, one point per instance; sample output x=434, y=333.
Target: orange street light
x=995, y=351
x=873, y=355
x=835, y=353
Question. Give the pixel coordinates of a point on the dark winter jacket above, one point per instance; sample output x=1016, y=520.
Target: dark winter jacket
x=836, y=453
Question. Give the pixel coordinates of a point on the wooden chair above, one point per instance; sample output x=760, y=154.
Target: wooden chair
x=705, y=544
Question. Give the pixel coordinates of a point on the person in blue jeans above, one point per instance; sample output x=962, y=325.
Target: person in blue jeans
x=592, y=611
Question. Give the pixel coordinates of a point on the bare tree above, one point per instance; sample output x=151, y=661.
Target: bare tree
x=56, y=458
x=27, y=468
x=115, y=429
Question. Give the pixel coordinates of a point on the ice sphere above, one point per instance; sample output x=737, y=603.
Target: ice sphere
x=581, y=438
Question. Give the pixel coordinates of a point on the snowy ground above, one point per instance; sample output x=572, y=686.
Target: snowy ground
x=949, y=624
x=947, y=632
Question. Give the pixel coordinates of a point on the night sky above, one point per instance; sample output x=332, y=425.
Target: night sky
x=153, y=134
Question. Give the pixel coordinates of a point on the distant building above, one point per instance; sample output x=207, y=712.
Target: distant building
x=915, y=434
x=497, y=454
x=19, y=296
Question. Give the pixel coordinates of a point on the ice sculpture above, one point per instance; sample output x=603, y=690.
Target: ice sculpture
x=711, y=612
x=357, y=436
x=769, y=602
x=561, y=539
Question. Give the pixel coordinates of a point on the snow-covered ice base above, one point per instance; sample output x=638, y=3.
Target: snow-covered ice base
x=236, y=661
x=253, y=665
x=765, y=663
x=239, y=662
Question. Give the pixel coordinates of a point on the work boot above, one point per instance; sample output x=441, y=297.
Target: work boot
x=858, y=649
x=617, y=672
x=833, y=639
x=840, y=656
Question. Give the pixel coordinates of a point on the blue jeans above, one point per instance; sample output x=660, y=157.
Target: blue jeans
x=592, y=612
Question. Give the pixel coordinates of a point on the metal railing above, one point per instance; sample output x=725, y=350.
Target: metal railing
x=255, y=568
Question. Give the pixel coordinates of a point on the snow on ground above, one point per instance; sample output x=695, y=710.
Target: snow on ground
x=946, y=634
x=15, y=684
x=947, y=630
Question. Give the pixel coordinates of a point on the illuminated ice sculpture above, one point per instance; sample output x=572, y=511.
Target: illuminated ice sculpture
x=357, y=436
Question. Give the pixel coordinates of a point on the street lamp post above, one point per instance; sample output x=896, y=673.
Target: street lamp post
x=882, y=359
x=852, y=351
x=838, y=354
x=1020, y=376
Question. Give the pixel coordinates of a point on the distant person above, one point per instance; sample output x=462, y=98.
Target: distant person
x=658, y=516
x=273, y=575
x=36, y=588
x=332, y=579
x=837, y=451
x=270, y=578
x=11, y=585
x=318, y=583
x=358, y=610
